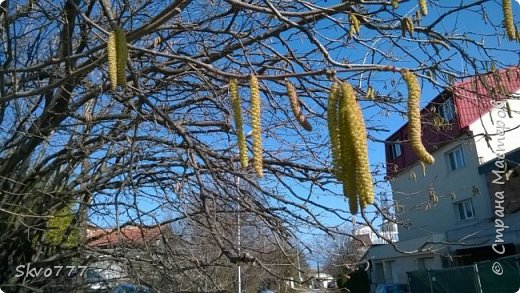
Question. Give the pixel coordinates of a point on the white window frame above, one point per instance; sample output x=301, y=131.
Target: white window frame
x=457, y=154
x=447, y=110
x=465, y=210
x=395, y=150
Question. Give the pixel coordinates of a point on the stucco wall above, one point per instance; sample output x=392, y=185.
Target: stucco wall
x=489, y=123
x=411, y=193
x=401, y=265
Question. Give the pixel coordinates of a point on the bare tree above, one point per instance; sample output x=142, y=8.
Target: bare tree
x=163, y=150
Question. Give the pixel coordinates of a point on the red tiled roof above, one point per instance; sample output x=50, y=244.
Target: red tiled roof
x=126, y=235
x=472, y=98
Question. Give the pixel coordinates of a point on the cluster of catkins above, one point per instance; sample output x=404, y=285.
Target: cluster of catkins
x=256, y=120
x=407, y=26
x=422, y=6
x=355, y=24
x=348, y=140
x=345, y=121
x=117, y=51
x=347, y=131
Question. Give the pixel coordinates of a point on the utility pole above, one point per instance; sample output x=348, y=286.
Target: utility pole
x=239, y=273
x=298, y=260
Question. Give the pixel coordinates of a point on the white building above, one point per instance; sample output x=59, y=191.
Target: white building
x=388, y=230
x=446, y=212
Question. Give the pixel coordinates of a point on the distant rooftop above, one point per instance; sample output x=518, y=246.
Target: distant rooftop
x=98, y=237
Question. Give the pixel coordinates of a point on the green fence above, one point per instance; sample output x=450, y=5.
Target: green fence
x=497, y=276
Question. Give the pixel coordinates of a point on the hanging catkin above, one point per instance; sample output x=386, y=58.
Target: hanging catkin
x=122, y=56
x=112, y=60
x=355, y=25
x=117, y=51
x=237, y=112
x=508, y=19
x=255, y=121
x=423, y=7
x=354, y=138
x=414, y=117
x=408, y=25
x=295, y=106
x=353, y=200
x=332, y=122
x=348, y=161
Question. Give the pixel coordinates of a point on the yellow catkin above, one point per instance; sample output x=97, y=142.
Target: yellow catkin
x=122, y=56
x=332, y=121
x=395, y=4
x=353, y=201
x=423, y=7
x=356, y=136
x=370, y=94
x=409, y=25
x=347, y=162
x=355, y=25
x=112, y=60
x=414, y=117
x=295, y=106
x=255, y=121
x=237, y=112
x=508, y=19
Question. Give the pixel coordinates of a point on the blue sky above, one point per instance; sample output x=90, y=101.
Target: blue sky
x=468, y=22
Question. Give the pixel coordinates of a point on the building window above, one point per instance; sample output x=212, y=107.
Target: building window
x=395, y=150
x=465, y=210
x=447, y=110
x=456, y=159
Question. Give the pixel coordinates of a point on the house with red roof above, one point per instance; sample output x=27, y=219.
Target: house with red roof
x=465, y=207
x=110, y=249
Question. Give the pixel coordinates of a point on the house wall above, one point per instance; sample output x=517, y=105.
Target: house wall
x=393, y=270
x=490, y=123
x=411, y=191
x=432, y=138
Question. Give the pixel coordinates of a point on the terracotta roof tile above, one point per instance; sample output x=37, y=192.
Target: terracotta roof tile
x=129, y=235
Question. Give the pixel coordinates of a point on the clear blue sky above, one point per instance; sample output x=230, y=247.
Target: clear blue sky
x=466, y=22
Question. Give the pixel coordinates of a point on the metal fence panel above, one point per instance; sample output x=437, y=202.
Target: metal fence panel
x=450, y=280
x=502, y=275
x=497, y=276
x=454, y=280
x=418, y=281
